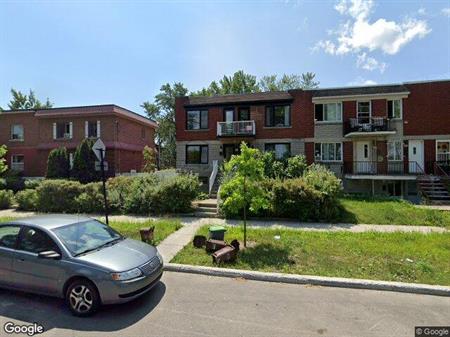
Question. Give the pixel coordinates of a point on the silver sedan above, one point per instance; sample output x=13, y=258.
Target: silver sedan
x=76, y=258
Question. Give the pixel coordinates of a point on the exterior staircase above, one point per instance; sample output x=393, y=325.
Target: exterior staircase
x=206, y=208
x=433, y=190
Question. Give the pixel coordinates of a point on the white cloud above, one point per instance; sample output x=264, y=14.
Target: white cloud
x=360, y=35
x=366, y=62
x=422, y=11
x=446, y=11
x=361, y=81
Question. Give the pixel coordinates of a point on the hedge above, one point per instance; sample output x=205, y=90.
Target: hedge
x=6, y=198
x=27, y=200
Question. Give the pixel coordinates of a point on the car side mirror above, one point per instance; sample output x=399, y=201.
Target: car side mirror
x=49, y=254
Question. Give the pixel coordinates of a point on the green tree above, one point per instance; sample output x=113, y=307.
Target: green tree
x=244, y=189
x=3, y=166
x=162, y=110
x=308, y=81
x=84, y=162
x=149, y=159
x=58, y=163
x=288, y=82
x=20, y=100
x=238, y=83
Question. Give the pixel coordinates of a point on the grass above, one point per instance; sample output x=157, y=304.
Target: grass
x=392, y=212
x=163, y=228
x=403, y=257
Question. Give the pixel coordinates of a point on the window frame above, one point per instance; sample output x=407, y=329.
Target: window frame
x=401, y=108
x=200, y=112
x=22, y=233
x=272, y=115
x=12, y=161
x=395, y=152
x=323, y=120
x=370, y=109
x=66, y=128
x=274, y=150
x=89, y=129
x=200, y=148
x=12, y=133
x=321, y=160
x=17, y=238
x=244, y=108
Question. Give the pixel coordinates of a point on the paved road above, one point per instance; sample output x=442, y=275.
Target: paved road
x=196, y=305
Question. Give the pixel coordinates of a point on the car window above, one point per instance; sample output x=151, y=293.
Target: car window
x=36, y=241
x=8, y=236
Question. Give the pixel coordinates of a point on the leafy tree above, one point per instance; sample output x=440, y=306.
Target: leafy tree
x=20, y=100
x=288, y=82
x=149, y=159
x=238, y=83
x=58, y=163
x=84, y=162
x=244, y=189
x=162, y=110
x=3, y=166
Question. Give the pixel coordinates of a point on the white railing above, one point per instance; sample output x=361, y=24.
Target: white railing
x=18, y=166
x=443, y=156
x=212, y=177
x=236, y=128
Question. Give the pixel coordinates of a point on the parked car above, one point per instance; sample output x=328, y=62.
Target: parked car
x=80, y=259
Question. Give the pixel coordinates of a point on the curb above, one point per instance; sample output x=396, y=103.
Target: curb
x=413, y=288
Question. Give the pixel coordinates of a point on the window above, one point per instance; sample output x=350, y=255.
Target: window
x=281, y=150
x=395, y=150
x=197, y=154
x=63, y=130
x=328, y=151
x=278, y=115
x=395, y=108
x=197, y=119
x=329, y=112
x=244, y=114
x=36, y=241
x=93, y=129
x=16, y=132
x=8, y=236
x=17, y=162
x=364, y=111
x=228, y=115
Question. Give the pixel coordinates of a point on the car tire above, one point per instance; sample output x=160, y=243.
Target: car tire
x=82, y=298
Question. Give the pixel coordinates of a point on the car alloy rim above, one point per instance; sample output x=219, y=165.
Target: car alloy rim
x=81, y=298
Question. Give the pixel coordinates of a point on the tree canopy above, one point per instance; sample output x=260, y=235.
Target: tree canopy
x=3, y=166
x=20, y=100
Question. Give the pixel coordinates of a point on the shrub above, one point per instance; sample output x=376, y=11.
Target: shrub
x=58, y=163
x=58, y=196
x=2, y=183
x=6, y=198
x=149, y=159
x=84, y=163
x=14, y=181
x=27, y=200
x=119, y=188
x=140, y=196
x=296, y=166
x=91, y=199
x=32, y=184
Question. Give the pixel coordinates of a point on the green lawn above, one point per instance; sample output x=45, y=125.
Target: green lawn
x=404, y=257
x=163, y=228
x=391, y=211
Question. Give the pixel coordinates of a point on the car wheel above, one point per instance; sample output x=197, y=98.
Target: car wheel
x=82, y=298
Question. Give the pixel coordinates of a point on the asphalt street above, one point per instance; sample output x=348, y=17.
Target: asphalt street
x=197, y=305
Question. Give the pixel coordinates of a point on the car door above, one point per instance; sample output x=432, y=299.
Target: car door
x=8, y=242
x=34, y=273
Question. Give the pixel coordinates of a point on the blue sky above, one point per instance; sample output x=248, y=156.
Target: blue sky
x=93, y=52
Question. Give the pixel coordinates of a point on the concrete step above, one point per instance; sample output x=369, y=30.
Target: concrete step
x=205, y=214
x=206, y=209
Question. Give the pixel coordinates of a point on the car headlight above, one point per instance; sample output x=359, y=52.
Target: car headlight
x=126, y=275
x=159, y=257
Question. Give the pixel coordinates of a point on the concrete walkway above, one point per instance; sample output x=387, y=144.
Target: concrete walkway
x=436, y=207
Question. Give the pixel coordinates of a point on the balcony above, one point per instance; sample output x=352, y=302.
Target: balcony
x=236, y=128
x=390, y=168
x=368, y=126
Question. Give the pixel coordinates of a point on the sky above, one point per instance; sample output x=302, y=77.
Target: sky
x=121, y=52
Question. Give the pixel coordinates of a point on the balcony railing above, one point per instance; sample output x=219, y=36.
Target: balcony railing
x=443, y=157
x=383, y=168
x=236, y=128
x=373, y=124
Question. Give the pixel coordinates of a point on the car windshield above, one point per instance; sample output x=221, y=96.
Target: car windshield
x=87, y=236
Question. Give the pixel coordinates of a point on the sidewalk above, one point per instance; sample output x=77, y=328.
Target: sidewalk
x=437, y=207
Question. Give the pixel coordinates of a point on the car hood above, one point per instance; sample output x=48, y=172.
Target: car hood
x=124, y=255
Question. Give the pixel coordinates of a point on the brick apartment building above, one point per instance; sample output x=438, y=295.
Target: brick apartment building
x=378, y=139
x=31, y=134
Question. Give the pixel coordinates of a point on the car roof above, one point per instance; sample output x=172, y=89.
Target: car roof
x=50, y=221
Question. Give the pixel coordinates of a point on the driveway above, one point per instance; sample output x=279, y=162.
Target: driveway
x=197, y=305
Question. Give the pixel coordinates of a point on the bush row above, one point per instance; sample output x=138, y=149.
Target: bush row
x=150, y=193
x=312, y=197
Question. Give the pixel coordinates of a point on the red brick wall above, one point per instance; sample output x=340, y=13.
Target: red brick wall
x=309, y=152
x=426, y=111
x=349, y=108
x=382, y=153
x=430, y=154
x=379, y=108
x=348, y=156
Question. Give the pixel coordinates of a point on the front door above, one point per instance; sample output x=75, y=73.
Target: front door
x=228, y=151
x=415, y=156
x=363, y=162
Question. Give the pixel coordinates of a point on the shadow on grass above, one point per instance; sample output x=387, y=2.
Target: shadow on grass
x=265, y=255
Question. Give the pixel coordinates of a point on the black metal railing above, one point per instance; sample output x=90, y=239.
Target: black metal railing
x=372, y=124
x=383, y=168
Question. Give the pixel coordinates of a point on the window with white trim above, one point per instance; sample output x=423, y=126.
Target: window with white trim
x=363, y=112
x=328, y=112
x=328, y=151
x=17, y=162
x=93, y=129
x=395, y=150
x=17, y=132
x=63, y=130
x=395, y=109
